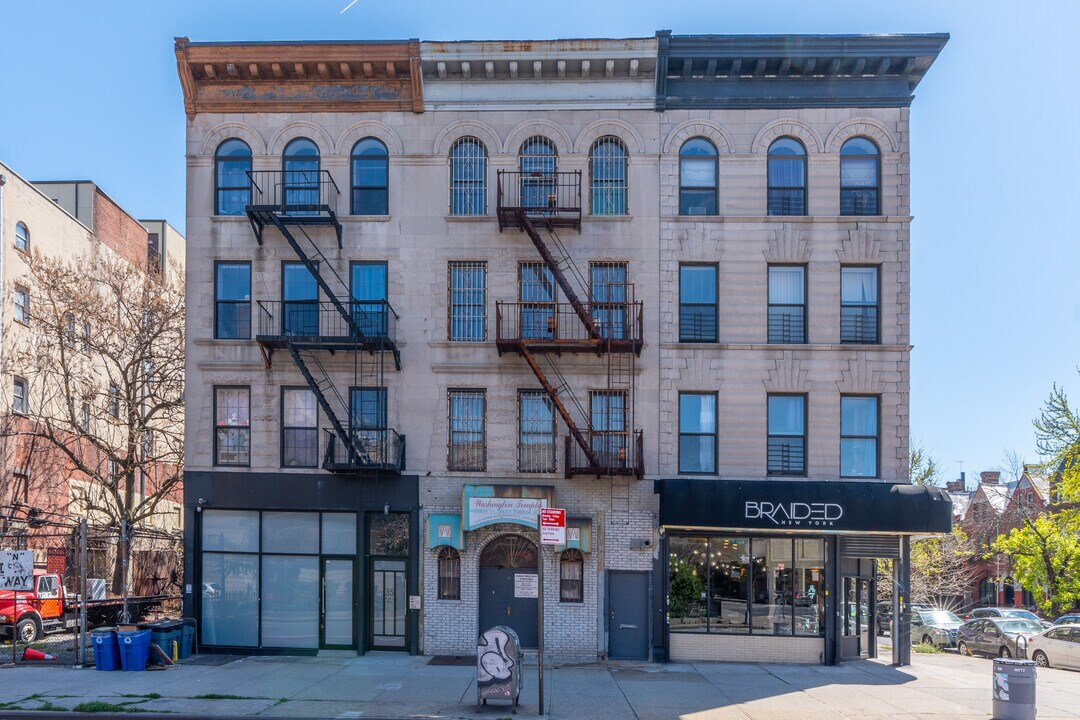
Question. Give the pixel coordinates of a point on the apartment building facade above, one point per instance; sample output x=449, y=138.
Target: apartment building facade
x=43, y=485
x=439, y=285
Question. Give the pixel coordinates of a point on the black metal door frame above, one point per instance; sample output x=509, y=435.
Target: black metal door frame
x=370, y=630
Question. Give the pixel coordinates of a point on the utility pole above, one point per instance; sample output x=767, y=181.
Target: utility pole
x=83, y=531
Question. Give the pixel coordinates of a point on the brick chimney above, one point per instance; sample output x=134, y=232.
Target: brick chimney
x=955, y=485
x=989, y=477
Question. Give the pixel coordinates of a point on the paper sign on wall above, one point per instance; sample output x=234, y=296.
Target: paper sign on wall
x=17, y=570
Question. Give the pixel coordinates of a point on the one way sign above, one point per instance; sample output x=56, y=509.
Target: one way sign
x=17, y=570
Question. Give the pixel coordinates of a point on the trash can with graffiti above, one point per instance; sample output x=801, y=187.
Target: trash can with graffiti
x=1014, y=689
x=498, y=666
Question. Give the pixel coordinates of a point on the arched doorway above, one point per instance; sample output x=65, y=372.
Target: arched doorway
x=508, y=587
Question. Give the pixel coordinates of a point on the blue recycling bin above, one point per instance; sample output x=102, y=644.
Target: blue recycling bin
x=134, y=650
x=106, y=649
x=164, y=633
x=187, y=637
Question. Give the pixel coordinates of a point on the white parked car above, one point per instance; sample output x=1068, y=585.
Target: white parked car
x=1057, y=647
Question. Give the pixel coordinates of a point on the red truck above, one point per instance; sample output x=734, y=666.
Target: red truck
x=50, y=609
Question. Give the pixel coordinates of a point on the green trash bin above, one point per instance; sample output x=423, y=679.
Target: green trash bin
x=164, y=633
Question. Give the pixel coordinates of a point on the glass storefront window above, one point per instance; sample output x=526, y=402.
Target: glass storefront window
x=687, y=579
x=339, y=534
x=290, y=601
x=771, y=591
x=729, y=575
x=290, y=532
x=230, y=599
x=230, y=531
x=766, y=586
x=809, y=587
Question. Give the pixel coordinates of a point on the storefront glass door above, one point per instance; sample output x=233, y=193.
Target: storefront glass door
x=337, y=603
x=857, y=638
x=388, y=580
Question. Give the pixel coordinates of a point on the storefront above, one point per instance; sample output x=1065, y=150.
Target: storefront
x=274, y=572
x=784, y=571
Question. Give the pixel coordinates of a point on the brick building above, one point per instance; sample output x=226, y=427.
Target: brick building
x=39, y=484
x=632, y=278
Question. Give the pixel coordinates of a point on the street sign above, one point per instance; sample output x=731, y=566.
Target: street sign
x=552, y=526
x=17, y=570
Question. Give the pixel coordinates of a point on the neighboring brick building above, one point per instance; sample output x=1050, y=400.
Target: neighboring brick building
x=568, y=272
x=67, y=220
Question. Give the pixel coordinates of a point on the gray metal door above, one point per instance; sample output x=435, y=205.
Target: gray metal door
x=507, y=584
x=628, y=615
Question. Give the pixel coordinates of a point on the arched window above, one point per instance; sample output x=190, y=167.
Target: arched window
x=22, y=237
x=860, y=178
x=787, y=177
x=697, y=177
x=370, y=176
x=571, y=576
x=468, y=177
x=538, y=162
x=449, y=573
x=301, y=177
x=232, y=162
x=608, y=176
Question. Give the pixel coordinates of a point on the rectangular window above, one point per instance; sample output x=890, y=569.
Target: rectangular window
x=22, y=305
x=739, y=586
x=232, y=426
x=787, y=435
x=609, y=420
x=232, y=301
x=537, y=294
x=609, y=291
x=536, y=432
x=299, y=428
x=20, y=404
x=114, y=400
x=300, y=293
x=467, y=446
x=572, y=576
x=449, y=573
x=84, y=417
x=859, y=305
x=370, y=311
x=697, y=433
x=467, y=303
x=367, y=423
x=858, y=436
x=787, y=304
x=697, y=303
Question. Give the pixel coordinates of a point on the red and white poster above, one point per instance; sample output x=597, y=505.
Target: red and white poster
x=552, y=526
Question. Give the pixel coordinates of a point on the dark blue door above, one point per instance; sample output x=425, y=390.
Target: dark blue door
x=628, y=615
x=504, y=596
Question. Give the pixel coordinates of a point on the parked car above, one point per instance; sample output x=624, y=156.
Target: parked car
x=1057, y=647
x=883, y=622
x=996, y=637
x=1069, y=619
x=1007, y=612
x=935, y=627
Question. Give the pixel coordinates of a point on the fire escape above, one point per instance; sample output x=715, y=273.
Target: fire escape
x=597, y=317
x=358, y=440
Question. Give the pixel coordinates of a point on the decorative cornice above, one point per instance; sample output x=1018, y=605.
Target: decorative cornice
x=861, y=246
x=787, y=246
x=860, y=377
x=788, y=375
x=299, y=77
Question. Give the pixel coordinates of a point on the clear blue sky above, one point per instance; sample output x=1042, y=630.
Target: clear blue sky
x=90, y=91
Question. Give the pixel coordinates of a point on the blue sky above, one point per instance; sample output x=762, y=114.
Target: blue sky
x=90, y=91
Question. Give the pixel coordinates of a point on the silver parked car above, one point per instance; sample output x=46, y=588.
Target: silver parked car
x=934, y=627
x=1070, y=619
x=1008, y=612
x=1057, y=647
x=996, y=637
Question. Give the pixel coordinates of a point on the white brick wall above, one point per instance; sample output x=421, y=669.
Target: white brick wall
x=746, y=648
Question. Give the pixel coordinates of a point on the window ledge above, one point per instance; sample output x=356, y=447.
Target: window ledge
x=364, y=218
x=789, y=218
x=815, y=347
x=469, y=218
x=229, y=218
x=608, y=218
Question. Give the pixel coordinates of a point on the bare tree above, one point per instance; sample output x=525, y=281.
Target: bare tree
x=1011, y=465
x=942, y=570
x=104, y=363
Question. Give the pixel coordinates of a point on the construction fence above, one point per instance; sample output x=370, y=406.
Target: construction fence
x=86, y=578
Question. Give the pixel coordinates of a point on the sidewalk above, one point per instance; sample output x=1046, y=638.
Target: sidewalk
x=384, y=685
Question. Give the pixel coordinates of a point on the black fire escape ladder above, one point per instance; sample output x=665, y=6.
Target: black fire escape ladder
x=556, y=272
x=560, y=407
x=320, y=389
x=314, y=269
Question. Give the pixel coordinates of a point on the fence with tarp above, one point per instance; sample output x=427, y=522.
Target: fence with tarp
x=84, y=578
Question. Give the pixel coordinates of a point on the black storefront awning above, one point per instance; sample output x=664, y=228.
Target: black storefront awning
x=804, y=505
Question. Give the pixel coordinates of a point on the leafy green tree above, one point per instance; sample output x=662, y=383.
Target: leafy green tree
x=941, y=569
x=923, y=468
x=1045, y=548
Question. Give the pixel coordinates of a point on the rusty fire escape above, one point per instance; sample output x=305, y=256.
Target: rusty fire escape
x=602, y=439
x=292, y=201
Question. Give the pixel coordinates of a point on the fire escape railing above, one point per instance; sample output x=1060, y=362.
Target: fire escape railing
x=551, y=197
x=557, y=326
x=371, y=323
